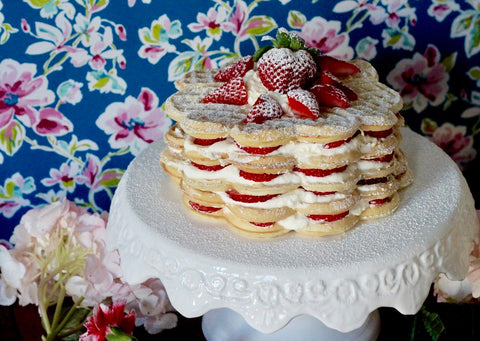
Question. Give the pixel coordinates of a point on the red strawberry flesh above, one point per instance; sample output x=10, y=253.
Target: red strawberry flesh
x=329, y=96
x=265, y=108
x=203, y=209
x=320, y=172
x=233, y=92
x=328, y=217
x=247, y=198
x=325, y=77
x=207, y=142
x=213, y=168
x=237, y=69
x=335, y=66
x=262, y=177
x=303, y=104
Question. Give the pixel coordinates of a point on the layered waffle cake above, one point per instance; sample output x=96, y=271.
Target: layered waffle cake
x=287, y=140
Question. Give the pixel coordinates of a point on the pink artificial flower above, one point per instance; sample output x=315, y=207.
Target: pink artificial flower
x=52, y=122
x=152, y=306
x=210, y=22
x=325, y=36
x=421, y=80
x=134, y=123
x=105, y=319
x=454, y=142
x=21, y=92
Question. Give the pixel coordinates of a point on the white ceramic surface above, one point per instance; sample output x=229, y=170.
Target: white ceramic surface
x=340, y=281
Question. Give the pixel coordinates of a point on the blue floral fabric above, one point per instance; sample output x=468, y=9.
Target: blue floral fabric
x=82, y=82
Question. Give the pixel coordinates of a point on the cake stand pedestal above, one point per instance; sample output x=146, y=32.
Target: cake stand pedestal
x=293, y=285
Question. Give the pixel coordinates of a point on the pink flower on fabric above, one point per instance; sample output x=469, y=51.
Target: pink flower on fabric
x=134, y=123
x=21, y=92
x=65, y=176
x=396, y=9
x=106, y=320
x=210, y=22
x=454, y=142
x=235, y=23
x=101, y=51
x=421, y=80
x=325, y=36
x=441, y=9
x=52, y=122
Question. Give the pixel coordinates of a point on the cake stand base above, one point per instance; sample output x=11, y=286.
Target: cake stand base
x=226, y=325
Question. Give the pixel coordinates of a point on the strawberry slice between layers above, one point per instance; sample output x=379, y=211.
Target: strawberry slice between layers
x=261, y=177
x=265, y=108
x=237, y=69
x=303, y=104
x=202, y=208
x=213, y=168
x=247, y=198
x=233, y=92
x=328, y=218
x=207, y=142
x=320, y=172
x=258, y=150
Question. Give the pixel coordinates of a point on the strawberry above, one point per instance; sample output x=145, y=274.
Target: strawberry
x=232, y=92
x=325, y=77
x=330, y=96
x=282, y=69
x=335, y=66
x=237, y=69
x=303, y=104
x=265, y=108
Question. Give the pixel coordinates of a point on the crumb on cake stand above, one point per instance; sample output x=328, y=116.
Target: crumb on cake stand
x=339, y=281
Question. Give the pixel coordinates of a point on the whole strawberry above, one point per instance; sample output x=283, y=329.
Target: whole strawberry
x=287, y=65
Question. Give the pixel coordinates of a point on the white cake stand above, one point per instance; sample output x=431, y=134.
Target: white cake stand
x=320, y=288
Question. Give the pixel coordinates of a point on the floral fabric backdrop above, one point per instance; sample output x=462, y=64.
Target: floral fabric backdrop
x=82, y=82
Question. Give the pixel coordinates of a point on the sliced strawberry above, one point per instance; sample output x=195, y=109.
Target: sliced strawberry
x=263, y=177
x=213, y=168
x=379, y=134
x=335, y=66
x=303, y=104
x=380, y=201
x=325, y=77
x=263, y=224
x=203, y=209
x=207, y=142
x=335, y=144
x=265, y=108
x=258, y=150
x=247, y=198
x=321, y=193
x=330, y=96
x=385, y=158
x=237, y=69
x=372, y=181
x=232, y=92
x=328, y=217
x=320, y=172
